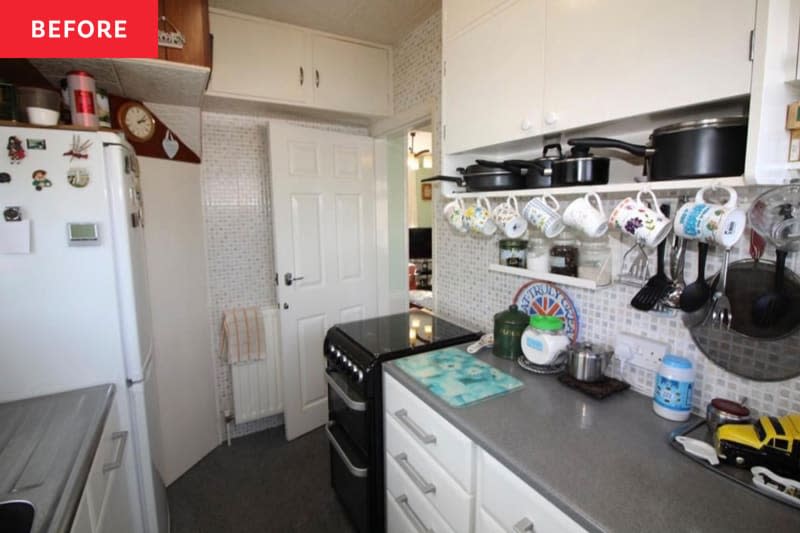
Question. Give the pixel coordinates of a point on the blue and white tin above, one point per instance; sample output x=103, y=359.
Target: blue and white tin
x=672, y=398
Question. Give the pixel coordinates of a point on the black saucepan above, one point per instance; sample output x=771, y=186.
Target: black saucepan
x=580, y=167
x=706, y=148
x=485, y=176
x=538, y=172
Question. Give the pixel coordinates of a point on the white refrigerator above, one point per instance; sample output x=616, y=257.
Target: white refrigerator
x=73, y=283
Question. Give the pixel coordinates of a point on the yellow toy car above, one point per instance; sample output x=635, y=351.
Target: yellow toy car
x=771, y=442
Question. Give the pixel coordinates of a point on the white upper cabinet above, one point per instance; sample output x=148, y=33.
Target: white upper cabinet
x=264, y=61
x=459, y=14
x=351, y=77
x=493, y=78
x=260, y=59
x=620, y=58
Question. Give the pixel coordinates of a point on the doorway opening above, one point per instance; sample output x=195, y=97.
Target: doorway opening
x=419, y=216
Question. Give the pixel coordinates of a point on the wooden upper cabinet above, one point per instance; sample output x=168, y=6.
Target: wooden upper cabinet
x=620, y=58
x=191, y=18
x=260, y=60
x=351, y=77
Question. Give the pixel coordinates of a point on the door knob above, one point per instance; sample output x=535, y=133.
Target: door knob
x=289, y=279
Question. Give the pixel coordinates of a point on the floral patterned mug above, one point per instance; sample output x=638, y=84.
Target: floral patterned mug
x=633, y=217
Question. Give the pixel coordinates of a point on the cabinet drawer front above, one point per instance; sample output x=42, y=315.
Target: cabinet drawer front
x=451, y=448
x=107, y=451
x=441, y=490
x=484, y=523
x=513, y=504
x=412, y=512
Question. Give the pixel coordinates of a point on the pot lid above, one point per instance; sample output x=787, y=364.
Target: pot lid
x=723, y=122
x=512, y=316
x=730, y=407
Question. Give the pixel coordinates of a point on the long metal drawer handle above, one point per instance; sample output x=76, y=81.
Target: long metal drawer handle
x=355, y=405
x=419, y=525
x=357, y=472
x=426, y=438
x=416, y=477
x=523, y=526
x=122, y=437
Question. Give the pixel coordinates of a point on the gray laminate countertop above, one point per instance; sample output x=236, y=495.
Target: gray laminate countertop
x=47, y=445
x=606, y=463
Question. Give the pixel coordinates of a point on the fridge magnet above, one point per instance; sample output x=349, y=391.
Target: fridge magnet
x=36, y=144
x=427, y=191
x=170, y=145
x=78, y=177
x=15, y=151
x=5, y=177
x=40, y=180
x=79, y=149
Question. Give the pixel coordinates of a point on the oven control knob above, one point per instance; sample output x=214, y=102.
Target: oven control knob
x=338, y=354
x=360, y=376
x=350, y=365
x=331, y=348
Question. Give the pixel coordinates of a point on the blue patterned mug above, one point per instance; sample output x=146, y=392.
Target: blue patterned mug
x=701, y=220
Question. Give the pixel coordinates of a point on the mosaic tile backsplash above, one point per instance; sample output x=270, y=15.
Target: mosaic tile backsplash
x=468, y=292
x=238, y=226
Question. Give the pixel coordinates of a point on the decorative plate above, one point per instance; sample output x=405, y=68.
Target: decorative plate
x=543, y=298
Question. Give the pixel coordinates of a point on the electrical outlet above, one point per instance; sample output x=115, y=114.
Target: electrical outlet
x=639, y=351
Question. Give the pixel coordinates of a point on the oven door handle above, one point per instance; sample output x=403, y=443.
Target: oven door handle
x=353, y=404
x=356, y=471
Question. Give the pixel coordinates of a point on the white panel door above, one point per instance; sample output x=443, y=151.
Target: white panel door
x=351, y=77
x=493, y=78
x=323, y=201
x=259, y=59
x=620, y=58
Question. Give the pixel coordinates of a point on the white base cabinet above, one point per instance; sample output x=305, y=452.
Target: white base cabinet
x=105, y=506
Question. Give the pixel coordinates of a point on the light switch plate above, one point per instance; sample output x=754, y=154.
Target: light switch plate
x=639, y=351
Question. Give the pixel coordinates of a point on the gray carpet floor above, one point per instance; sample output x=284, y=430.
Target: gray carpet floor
x=260, y=484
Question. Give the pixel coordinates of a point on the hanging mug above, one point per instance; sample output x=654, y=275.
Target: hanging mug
x=506, y=216
x=632, y=216
x=542, y=213
x=590, y=219
x=479, y=218
x=454, y=215
x=722, y=224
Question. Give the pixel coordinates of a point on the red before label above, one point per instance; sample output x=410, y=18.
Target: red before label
x=84, y=101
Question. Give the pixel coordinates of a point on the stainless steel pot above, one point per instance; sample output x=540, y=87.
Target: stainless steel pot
x=720, y=411
x=587, y=361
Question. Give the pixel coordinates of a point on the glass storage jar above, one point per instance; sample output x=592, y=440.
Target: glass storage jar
x=594, y=262
x=539, y=255
x=513, y=252
x=564, y=255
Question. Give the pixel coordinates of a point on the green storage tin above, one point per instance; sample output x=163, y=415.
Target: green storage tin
x=508, y=328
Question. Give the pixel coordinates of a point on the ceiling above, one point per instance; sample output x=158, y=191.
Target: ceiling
x=381, y=21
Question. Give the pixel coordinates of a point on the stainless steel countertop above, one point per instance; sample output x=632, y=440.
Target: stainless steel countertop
x=606, y=463
x=47, y=445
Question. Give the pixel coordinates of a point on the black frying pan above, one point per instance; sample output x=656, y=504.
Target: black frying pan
x=486, y=176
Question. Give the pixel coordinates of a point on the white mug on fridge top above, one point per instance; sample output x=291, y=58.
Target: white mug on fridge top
x=506, y=216
x=542, y=213
x=581, y=214
x=709, y=222
x=633, y=217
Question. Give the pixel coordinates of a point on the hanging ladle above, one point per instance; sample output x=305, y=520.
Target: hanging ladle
x=696, y=294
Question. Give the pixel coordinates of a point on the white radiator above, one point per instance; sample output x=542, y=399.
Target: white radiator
x=257, y=390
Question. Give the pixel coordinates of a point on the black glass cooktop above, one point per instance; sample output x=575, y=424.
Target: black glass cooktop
x=405, y=333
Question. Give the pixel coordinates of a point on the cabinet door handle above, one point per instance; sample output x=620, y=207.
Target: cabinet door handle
x=419, y=525
x=316, y=78
x=416, y=477
x=302, y=76
x=524, y=526
x=421, y=434
x=122, y=437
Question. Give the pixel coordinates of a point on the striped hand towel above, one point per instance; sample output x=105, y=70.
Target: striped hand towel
x=242, y=336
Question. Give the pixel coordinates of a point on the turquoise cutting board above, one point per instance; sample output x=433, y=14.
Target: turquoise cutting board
x=457, y=377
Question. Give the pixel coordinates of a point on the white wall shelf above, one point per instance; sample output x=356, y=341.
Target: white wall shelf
x=546, y=276
x=673, y=185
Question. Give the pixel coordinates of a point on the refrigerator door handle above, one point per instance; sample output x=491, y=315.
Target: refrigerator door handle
x=122, y=437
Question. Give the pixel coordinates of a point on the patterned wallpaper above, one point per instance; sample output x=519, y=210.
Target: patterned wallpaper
x=468, y=292
x=238, y=225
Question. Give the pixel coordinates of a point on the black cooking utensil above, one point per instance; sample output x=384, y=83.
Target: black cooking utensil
x=657, y=286
x=770, y=306
x=697, y=293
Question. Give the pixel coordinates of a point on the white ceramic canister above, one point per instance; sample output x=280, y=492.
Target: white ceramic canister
x=82, y=98
x=544, y=339
x=672, y=397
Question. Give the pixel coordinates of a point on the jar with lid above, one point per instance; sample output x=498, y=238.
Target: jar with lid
x=508, y=328
x=539, y=255
x=544, y=339
x=594, y=262
x=564, y=255
x=672, y=397
x=513, y=252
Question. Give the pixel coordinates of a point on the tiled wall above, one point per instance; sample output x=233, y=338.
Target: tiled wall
x=238, y=224
x=467, y=291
